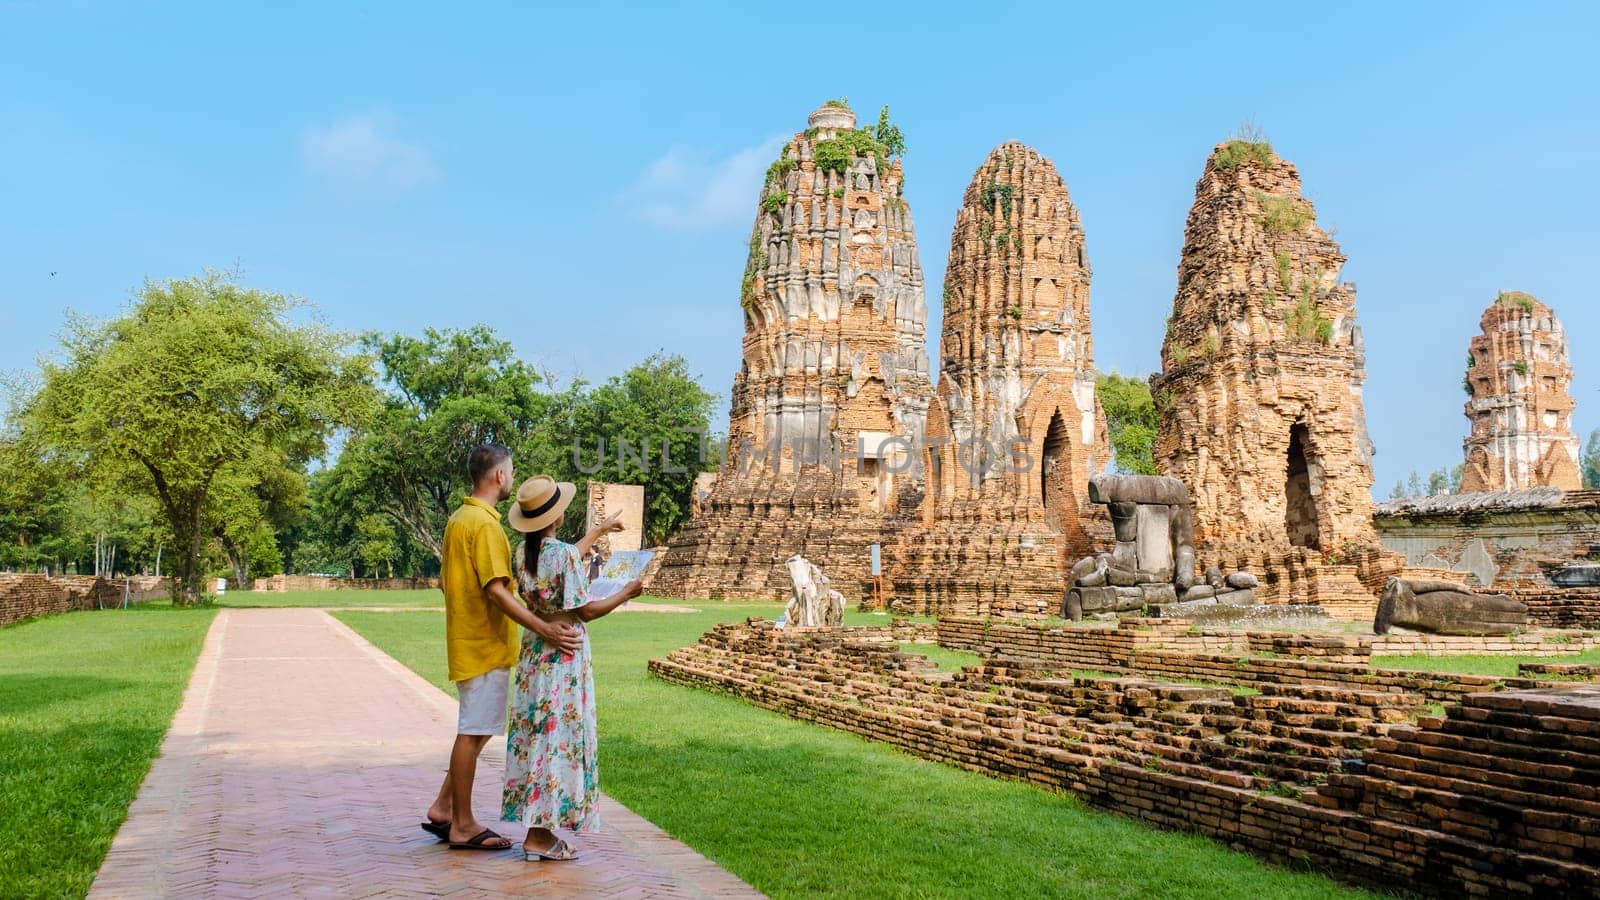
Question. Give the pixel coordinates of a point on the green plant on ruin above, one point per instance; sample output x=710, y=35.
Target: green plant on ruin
x=1521, y=366
x=1285, y=790
x=1248, y=144
x=838, y=103
x=1210, y=343
x=780, y=168
x=1236, y=153
x=774, y=201
x=1001, y=239
x=1466, y=384
x=1306, y=321
x=1284, y=215
x=993, y=191
x=889, y=134
x=811, y=133
x=1180, y=355
x=838, y=193
x=755, y=262
x=1015, y=312
x=1164, y=399
x=1518, y=299
x=1472, y=361
x=946, y=295
x=836, y=153
x=1285, y=270
x=985, y=232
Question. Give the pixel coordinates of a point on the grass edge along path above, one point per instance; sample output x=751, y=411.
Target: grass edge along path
x=800, y=810
x=85, y=701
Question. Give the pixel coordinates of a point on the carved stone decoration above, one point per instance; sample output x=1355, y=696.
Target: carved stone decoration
x=1443, y=607
x=812, y=604
x=1018, y=429
x=834, y=390
x=1519, y=385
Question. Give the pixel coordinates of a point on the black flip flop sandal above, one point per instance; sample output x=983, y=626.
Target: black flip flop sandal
x=440, y=830
x=478, y=842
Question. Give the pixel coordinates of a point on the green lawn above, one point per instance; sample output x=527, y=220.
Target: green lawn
x=424, y=599
x=1502, y=666
x=800, y=810
x=85, y=699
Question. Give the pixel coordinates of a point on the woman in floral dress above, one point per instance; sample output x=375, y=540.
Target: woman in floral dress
x=552, y=780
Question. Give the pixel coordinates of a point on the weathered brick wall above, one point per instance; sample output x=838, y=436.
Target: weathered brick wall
x=1137, y=643
x=1473, y=803
x=24, y=596
x=280, y=583
x=1505, y=541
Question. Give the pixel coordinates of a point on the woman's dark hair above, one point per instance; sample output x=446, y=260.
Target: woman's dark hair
x=531, y=545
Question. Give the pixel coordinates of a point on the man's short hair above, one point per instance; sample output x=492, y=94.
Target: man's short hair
x=485, y=459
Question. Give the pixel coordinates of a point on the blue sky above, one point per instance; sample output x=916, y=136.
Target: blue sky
x=583, y=177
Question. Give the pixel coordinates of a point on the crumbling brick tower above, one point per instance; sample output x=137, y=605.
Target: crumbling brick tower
x=1519, y=387
x=1018, y=428
x=1260, y=387
x=829, y=407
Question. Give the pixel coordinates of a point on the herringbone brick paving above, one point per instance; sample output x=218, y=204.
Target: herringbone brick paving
x=302, y=760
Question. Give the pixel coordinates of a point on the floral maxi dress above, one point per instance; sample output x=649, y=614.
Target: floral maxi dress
x=552, y=776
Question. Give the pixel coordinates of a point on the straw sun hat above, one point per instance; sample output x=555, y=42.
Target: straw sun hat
x=540, y=501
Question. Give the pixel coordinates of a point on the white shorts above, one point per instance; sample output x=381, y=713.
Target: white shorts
x=483, y=703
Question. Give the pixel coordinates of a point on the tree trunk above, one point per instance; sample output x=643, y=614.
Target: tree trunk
x=240, y=563
x=189, y=589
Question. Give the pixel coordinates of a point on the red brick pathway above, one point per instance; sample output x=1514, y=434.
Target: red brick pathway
x=300, y=763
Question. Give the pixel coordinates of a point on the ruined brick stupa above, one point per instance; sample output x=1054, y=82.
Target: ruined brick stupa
x=828, y=409
x=1018, y=429
x=1519, y=387
x=1260, y=388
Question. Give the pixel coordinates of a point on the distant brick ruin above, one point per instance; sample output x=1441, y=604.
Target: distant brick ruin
x=829, y=407
x=1519, y=387
x=1017, y=430
x=1260, y=387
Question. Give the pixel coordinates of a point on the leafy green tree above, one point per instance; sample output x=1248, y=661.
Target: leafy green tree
x=1130, y=420
x=1399, y=491
x=184, y=389
x=647, y=426
x=1438, y=482
x=379, y=544
x=1591, y=460
x=255, y=501
x=448, y=392
x=38, y=504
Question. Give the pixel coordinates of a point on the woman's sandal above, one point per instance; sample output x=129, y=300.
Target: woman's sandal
x=480, y=842
x=440, y=830
x=560, y=851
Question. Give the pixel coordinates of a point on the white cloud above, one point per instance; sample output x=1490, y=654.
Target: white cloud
x=363, y=151
x=687, y=190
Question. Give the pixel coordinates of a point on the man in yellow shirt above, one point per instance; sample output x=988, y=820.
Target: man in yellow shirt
x=481, y=644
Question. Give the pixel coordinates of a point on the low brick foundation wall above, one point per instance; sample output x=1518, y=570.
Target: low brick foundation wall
x=1555, y=607
x=23, y=596
x=1090, y=648
x=281, y=583
x=1341, y=774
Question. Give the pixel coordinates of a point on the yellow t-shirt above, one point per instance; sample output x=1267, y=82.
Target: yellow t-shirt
x=478, y=636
